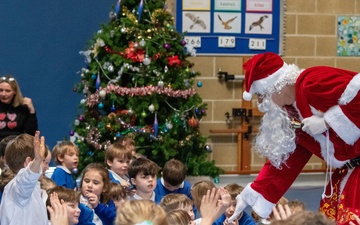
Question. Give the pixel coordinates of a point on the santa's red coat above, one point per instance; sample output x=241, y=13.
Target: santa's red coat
x=334, y=94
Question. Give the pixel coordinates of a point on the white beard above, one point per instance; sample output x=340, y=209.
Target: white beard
x=276, y=139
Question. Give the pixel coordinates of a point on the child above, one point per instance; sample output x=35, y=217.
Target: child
x=116, y=194
x=57, y=211
x=198, y=190
x=143, y=174
x=66, y=156
x=201, y=189
x=179, y=217
x=234, y=190
x=117, y=159
x=5, y=177
x=296, y=206
x=22, y=202
x=95, y=182
x=173, y=180
x=176, y=201
x=71, y=199
x=140, y=212
x=47, y=184
x=128, y=143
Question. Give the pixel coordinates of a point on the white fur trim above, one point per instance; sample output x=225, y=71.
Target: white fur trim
x=247, y=96
x=335, y=163
x=260, y=86
x=350, y=91
x=343, y=127
x=258, y=203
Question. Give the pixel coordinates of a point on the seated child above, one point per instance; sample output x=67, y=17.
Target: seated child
x=176, y=201
x=5, y=177
x=95, y=183
x=143, y=174
x=116, y=194
x=201, y=189
x=173, y=180
x=22, y=202
x=71, y=199
x=117, y=159
x=234, y=190
x=179, y=217
x=128, y=143
x=296, y=206
x=66, y=156
x=144, y=212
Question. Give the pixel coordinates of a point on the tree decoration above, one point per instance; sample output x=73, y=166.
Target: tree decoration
x=193, y=122
x=156, y=125
x=139, y=83
x=140, y=9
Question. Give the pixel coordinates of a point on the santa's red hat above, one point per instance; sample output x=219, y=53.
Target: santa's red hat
x=262, y=71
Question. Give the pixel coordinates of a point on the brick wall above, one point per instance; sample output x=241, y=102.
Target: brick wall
x=310, y=39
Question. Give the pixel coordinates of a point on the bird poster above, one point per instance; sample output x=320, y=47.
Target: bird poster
x=258, y=23
x=232, y=26
x=225, y=22
x=196, y=22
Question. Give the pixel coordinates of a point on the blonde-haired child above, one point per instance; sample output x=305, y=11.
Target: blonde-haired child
x=179, y=217
x=201, y=189
x=66, y=156
x=128, y=143
x=118, y=158
x=140, y=212
x=95, y=183
x=175, y=201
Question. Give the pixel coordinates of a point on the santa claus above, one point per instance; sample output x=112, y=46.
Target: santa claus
x=311, y=111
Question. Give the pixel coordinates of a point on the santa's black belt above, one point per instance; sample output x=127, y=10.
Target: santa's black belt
x=352, y=163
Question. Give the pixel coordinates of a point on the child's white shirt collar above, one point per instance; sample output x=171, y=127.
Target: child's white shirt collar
x=162, y=182
x=64, y=168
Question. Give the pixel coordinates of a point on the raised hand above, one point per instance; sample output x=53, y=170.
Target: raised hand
x=39, y=152
x=57, y=210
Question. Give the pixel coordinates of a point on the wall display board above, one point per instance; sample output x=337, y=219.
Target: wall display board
x=232, y=27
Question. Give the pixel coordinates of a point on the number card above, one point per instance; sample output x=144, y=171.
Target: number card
x=257, y=44
x=226, y=42
x=195, y=41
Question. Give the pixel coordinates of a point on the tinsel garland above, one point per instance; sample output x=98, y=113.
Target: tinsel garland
x=94, y=99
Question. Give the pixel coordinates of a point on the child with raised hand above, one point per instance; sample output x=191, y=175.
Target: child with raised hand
x=176, y=201
x=118, y=158
x=22, y=202
x=203, y=188
x=173, y=179
x=143, y=173
x=66, y=156
x=57, y=211
x=95, y=183
x=213, y=204
x=68, y=197
x=140, y=212
x=243, y=219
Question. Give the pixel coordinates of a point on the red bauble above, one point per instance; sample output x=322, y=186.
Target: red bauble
x=193, y=122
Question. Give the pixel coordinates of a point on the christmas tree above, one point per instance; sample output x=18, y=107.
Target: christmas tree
x=139, y=83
